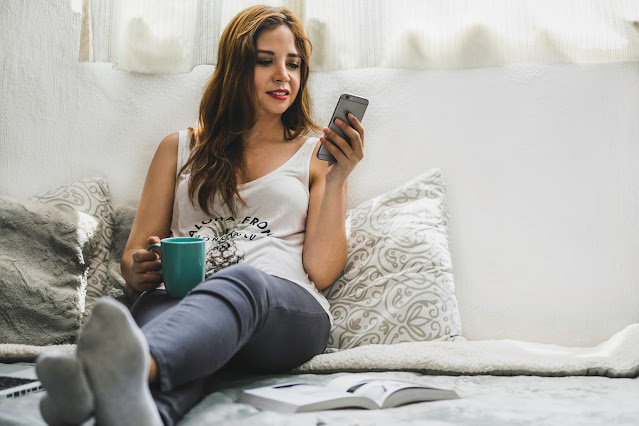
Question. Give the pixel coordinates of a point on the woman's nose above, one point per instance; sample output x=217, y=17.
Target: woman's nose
x=281, y=74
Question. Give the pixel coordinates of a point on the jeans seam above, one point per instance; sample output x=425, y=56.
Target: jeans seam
x=303, y=311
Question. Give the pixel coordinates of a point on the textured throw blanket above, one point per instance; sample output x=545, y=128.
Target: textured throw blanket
x=616, y=357
x=44, y=261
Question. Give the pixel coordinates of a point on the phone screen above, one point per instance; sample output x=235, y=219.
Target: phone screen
x=347, y=102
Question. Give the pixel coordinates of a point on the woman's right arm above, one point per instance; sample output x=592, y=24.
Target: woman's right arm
x=153, y=218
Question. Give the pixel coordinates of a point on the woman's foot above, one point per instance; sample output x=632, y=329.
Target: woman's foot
x=115, y=356
x=69, y=399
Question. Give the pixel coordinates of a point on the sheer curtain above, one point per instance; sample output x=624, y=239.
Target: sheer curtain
x=173, y=36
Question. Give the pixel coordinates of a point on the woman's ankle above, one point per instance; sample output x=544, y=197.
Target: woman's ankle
x=153, y=371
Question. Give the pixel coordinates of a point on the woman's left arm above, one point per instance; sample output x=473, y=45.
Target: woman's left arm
x=325, y=245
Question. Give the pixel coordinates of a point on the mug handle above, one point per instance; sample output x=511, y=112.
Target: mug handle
x=158, y=245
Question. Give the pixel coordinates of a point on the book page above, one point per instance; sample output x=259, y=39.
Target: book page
x=301, y=394
x=293, y=397
x=348, y=382
x=371, y=387
x=380, y=389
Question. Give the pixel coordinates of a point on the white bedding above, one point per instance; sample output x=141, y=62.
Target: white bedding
x=485, y=400
x=581, y=396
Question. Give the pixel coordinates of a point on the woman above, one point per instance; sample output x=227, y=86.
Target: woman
x=248, y=181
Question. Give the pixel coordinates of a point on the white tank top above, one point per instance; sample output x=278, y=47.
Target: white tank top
x=268, y=233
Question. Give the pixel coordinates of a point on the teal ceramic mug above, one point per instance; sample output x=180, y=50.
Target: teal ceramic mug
x=183, y=263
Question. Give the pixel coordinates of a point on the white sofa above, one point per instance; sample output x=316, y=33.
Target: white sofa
x=540, y=164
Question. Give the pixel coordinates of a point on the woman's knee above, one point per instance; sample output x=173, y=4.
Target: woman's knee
x=285, y=342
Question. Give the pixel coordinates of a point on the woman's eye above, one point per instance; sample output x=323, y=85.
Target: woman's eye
x=268, y=62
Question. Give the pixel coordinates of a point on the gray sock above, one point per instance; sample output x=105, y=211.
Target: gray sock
x=69, y=399
x=116, y=361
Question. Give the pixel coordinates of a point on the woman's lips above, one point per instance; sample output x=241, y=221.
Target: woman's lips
x=281, y=95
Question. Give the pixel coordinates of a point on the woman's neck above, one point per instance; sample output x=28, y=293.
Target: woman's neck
x=265, y=130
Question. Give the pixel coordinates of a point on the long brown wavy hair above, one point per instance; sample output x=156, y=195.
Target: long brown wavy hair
x=229, y=106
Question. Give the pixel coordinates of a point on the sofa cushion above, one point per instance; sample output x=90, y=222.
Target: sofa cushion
x=44, y=261
x=89, y=195
x=397, y=285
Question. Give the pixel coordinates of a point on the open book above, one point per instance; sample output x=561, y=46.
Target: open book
x=348, y=391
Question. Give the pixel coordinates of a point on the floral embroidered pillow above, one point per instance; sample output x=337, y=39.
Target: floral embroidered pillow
x=397, y=285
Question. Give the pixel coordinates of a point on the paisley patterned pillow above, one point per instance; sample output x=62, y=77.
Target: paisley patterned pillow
x=397, y=285
x=91, y=196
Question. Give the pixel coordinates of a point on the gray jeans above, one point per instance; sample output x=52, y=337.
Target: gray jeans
x=240, y=316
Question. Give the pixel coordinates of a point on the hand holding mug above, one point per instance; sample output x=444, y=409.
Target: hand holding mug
x=146, y=265
x=183, y=264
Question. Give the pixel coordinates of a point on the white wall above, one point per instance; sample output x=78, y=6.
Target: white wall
x=541, y=163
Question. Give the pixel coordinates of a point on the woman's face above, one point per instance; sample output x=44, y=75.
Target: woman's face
x=277, y=71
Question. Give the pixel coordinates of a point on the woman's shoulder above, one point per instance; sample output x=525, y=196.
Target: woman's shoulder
x=168, y=147
x=310, y=139
x=307, y=139
x=165, y=158
x=173, y=140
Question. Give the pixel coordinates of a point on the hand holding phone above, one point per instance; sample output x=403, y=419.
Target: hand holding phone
x=347, y=102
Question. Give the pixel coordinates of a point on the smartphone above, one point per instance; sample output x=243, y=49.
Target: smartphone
x=347, y=102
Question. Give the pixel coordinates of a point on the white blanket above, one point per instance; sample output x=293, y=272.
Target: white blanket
x=616, y=357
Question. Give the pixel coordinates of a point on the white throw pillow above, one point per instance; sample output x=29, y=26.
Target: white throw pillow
x=91, y=196
x=397, y=285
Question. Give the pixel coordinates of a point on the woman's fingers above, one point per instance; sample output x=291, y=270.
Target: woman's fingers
x=145, y=266
x=356, y=138
x=354, y=150
x=356, y=133
x=357, y=126
x=148, y=278
x=154, y=240
x=338, y=141
x=142, y=267
x=146, y=281
x=145, y=261
x=333, y=149
x=144, y=256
